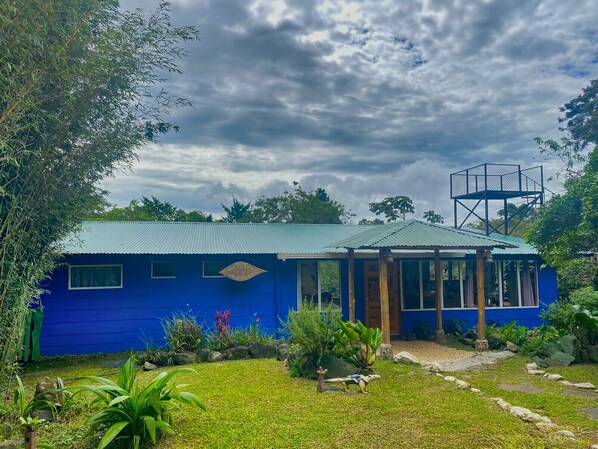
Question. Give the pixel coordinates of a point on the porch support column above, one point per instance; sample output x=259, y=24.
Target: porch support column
x=384, y=304
x=351, y=280
x=440, y=335
x=481, y=343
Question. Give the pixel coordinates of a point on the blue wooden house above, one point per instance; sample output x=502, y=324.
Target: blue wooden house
x=118, y=279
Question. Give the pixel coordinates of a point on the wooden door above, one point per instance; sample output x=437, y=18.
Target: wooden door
x=373, y=316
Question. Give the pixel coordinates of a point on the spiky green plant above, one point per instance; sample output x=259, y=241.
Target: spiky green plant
x=132, y=415
x=358, y=343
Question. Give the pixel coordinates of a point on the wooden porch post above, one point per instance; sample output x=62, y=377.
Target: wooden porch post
x=481, y=343
x=440, y=335
x=351, y=285
x=384, y=304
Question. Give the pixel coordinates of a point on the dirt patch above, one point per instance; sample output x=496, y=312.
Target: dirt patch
x=582, y=393
x=427, y=351
x=521, y=387
x=592, y=412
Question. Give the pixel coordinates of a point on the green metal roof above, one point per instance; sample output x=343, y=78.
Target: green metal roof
x=414, y=234
x=259, y=238
x=207, y=238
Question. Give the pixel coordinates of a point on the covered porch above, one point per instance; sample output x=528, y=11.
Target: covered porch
x=385, y=276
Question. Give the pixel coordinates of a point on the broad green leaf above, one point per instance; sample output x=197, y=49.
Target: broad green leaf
x=112, y=433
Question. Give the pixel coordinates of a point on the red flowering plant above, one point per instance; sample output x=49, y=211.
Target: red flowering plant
x=221, y=339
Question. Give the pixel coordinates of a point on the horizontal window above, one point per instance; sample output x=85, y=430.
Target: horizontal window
x=212, y=268
x=163, y=270
x=509, y=283
x=95, y=276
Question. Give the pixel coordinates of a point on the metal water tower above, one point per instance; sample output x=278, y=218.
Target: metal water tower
x=473, y=189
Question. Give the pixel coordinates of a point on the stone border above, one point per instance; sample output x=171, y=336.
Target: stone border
x=532, y=368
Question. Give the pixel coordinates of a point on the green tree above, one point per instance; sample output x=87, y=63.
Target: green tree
x=375, y=221
x=148, y=209
x=432, y=217
x=393, y=208
x=238, y=212
x=567, y=226
x=298, y=206
x=80, y=91
x=520, y=220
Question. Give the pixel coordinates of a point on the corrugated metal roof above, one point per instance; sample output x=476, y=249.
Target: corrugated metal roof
x=207, y=238
x=234, y=238
x=417, y=234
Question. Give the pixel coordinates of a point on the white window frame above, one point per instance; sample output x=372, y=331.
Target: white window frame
x=203, y=269
x=462, y=292
x=340, y=286
x=161, y=277
x=70, y=287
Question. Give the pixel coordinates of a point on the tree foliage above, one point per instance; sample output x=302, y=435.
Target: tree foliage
x=80, y=91
x=567, y=226
x=148, y=209
x=297, y=206
x=520, y=220
x=393, y=207
x=432, y=217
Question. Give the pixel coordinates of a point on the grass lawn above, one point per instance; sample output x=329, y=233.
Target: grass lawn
x=255, y=404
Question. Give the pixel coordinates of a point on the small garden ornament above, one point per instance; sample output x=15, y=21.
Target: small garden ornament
x=320, y=385
x=354, y=379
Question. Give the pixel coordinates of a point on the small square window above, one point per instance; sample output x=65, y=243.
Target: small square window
x=90, y=277
x=211, y=269
x=163, y=270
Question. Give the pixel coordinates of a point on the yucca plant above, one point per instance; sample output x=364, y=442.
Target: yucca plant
x=26, y=410
x=134, y=415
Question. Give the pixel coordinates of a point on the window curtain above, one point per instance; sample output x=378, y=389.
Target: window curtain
x=526, y=284
x=469, y=300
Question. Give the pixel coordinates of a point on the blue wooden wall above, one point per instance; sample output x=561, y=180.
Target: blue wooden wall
x=109, y=320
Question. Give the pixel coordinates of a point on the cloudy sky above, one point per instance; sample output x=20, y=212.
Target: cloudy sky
x=366, y=99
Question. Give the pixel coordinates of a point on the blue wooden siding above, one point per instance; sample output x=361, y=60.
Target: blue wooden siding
x=120, y=319
x=88, y=321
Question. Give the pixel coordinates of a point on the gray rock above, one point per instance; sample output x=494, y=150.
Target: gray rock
x=540, y=362
x=531, y=366
x=336, y=367
x=12, y=444
x=593, y=353
x=585, y=356
x=592, y=412
x=541, y=425
x=512, y=347
x=237, y=353
x=385, y=351
x=262, y=350
x=433, y=367
x=594, y=446
x=570, y=345
x=147, y=366
x=47, y=388
x=504, y=405
x=566, y=383
x=552, y=348
x=183, y=358
x=536, y=372
x=215, y=356
x=462, y=385
x=566, y=434
x=406, y=358
x=450, y=378
x=554, y=377
x=307, y=366
x=45, y=414
x=585, y=385
x=283, y=352
x=560, y=359
x=521, y=412
x=475, y=390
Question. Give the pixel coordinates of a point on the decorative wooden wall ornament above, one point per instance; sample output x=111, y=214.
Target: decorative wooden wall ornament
x=241, y=271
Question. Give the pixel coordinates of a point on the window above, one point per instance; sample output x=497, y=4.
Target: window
x=212, y=269
x=508, y=283
x=320, y=283
x=163, y=270
x=89, y=277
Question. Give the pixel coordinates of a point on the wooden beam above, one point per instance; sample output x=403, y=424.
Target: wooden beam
x=481, y=343
x=438, y=275
x=384, y=304
x=351, y=281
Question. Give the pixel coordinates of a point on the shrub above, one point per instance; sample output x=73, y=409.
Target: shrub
x=253, y=334
x=560, y=315
x=536, y=339
x=182, y=332
x=576, y=274
x=454, y=326
x=587, y=298
x=311, y=331
x=222, y=338
x=424, y=330
x=134, y=415
x=511, y=332
x=358, y=343
x=585, y=326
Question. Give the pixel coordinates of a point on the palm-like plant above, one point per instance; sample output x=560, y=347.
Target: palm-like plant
x=27, y=411
x=133, y=415
x=358, y=342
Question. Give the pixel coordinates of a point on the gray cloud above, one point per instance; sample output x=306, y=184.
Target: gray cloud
x=367, y=99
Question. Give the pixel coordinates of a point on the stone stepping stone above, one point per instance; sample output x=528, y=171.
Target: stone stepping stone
x=521, y=387
x=592, y=412
x=582, y=393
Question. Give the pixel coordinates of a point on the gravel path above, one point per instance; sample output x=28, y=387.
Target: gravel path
x=427, y=351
